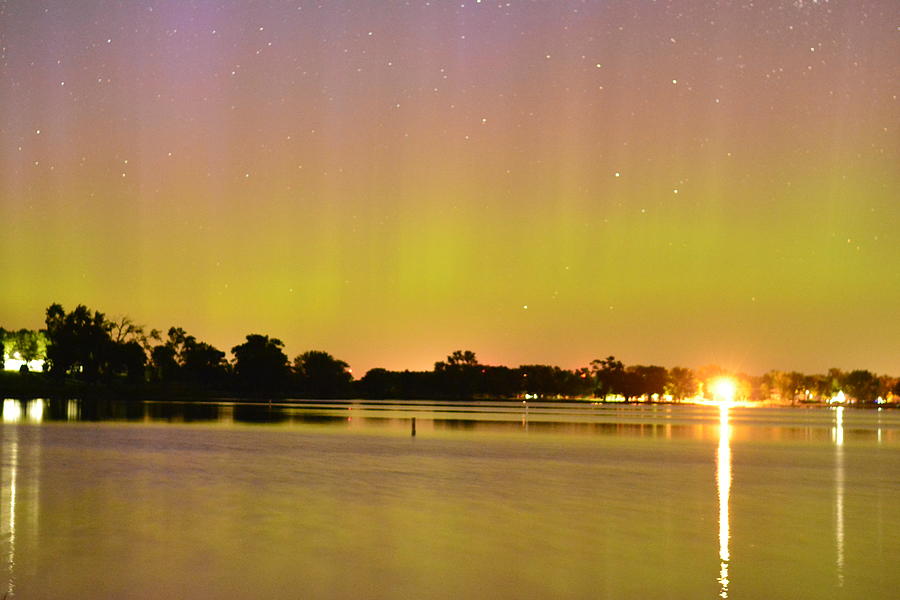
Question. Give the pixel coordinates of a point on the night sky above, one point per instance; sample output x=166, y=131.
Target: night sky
x=673, y=182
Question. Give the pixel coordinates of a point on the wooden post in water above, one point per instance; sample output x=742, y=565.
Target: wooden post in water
x=413, y=431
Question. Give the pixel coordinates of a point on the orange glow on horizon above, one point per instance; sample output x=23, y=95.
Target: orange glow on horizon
x=724, y=390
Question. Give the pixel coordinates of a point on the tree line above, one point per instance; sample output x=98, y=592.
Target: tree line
x=85, y=346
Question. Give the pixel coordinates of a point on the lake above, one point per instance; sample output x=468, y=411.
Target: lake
x=487, y=500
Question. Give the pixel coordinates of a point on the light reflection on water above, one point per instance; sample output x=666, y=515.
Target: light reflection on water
x=656, y=421
x=8, y=478
x=723, y=483
x=839, y=490
x=556, y=499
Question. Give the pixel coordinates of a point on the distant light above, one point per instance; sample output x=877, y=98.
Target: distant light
x=724, y=389
x=15, y=363
x=838, y=398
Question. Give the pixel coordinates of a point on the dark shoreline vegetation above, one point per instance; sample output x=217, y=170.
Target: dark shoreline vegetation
x=84, y=354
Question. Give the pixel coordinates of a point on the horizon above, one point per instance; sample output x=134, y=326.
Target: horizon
x=428, y=365
x=542, y=183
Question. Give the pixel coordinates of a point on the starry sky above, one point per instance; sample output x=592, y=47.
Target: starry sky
x=673, y=182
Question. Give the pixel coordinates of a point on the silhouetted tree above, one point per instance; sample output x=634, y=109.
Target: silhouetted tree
x=550, y=381
x=183, y=358
x=260, y=363
x=459, y=376
x=681, y=383
x=500, y=382
x=786, y=385
x=78, y=341
x=820, y=386
x=541, y=380
x=379, y=383
x=81, y=343
x=124, y=329
x=166, y=359
x=835, y=378
x=176, y=337
x=202, y=363
x=795, y=386
x=129, y=359
x=581, y=383
x=2, y=348
x=462, y=358
x=861, y=385
x=163, y=362
x=644, y=380
x=321, y=375
x=609, y=375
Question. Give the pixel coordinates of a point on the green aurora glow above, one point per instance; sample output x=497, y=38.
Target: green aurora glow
x=392, y=197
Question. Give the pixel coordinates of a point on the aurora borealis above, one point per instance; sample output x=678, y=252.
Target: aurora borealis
x=680, y=183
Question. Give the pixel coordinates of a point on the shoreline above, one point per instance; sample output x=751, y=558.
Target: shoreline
x=35, y=386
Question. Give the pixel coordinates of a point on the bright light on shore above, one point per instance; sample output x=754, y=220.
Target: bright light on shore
x=838, y=398
x=724, y=389
x=15, y=362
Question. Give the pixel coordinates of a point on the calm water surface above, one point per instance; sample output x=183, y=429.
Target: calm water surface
x=488, y=500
